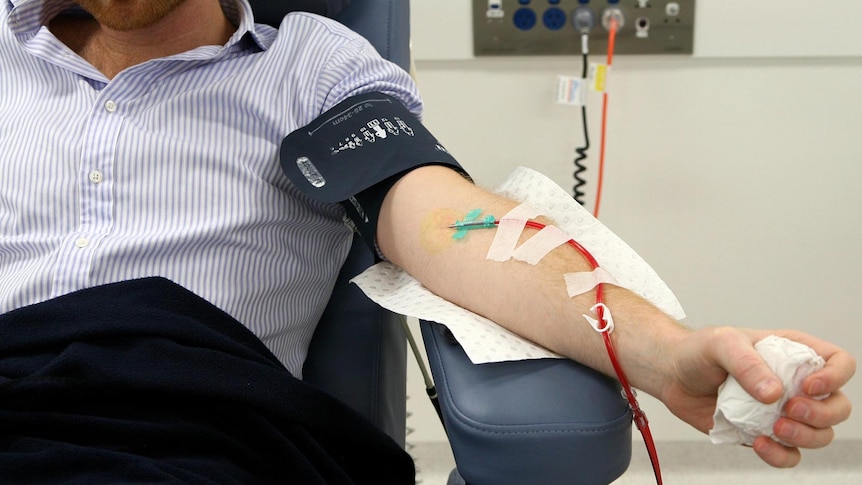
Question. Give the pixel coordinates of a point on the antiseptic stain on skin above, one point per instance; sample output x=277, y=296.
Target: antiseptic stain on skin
x=434, y=234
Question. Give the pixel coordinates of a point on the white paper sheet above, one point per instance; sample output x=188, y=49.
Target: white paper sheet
x=483, y=340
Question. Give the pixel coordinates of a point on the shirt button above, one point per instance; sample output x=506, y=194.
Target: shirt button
x=95, y=177
x=110, y=106
x=82, y=242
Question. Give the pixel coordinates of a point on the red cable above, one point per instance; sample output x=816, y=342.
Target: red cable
x=612, y=36
x=638, y=414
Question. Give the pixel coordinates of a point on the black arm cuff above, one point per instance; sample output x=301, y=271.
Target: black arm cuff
x=355, y=152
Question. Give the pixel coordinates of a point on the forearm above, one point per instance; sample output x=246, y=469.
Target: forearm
x=532, y=301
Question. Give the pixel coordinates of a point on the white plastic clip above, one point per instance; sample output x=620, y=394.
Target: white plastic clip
x=607, y=318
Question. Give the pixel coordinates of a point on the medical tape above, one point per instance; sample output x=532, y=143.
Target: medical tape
x=509, y=231
x=542, y=243
x=584, y=281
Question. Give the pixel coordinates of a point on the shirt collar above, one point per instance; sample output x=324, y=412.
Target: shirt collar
x=239, y=13
x=26, y=17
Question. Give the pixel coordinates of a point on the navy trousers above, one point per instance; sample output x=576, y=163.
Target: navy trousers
x=143, y=382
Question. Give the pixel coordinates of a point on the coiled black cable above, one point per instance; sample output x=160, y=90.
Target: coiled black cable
x=577, y=191
x=580, y=168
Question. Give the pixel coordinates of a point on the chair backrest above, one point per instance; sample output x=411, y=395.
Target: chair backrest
x=385, y=23
x=358, y=352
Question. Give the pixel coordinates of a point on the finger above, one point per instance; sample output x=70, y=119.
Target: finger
x=840, y=367
x=802, y=436
x=819, y=413
x=776, y=454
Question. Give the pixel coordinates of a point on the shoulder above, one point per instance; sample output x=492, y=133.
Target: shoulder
x=319, y=30
x=314, y=43
x=326, y=62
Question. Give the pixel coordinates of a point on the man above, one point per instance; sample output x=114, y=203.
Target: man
x=136, y=144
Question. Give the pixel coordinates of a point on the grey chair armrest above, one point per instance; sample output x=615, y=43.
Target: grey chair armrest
x=542, y=422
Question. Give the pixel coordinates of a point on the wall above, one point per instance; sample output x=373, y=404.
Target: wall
x=736, y=178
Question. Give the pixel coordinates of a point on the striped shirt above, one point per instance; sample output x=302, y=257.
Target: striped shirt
x=171, y=168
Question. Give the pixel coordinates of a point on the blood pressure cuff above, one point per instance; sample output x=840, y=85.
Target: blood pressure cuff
x=355, y=152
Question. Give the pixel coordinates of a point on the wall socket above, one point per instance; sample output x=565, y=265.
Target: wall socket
x=554, y=27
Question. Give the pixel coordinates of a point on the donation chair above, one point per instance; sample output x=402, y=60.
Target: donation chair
x=540, y=422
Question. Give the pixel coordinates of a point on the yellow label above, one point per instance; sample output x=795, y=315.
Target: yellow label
x=598, y=78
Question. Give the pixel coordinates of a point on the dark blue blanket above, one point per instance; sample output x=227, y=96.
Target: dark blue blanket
x=144, y=382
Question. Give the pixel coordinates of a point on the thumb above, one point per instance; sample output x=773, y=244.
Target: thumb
x=742, y=361
x=768, y=390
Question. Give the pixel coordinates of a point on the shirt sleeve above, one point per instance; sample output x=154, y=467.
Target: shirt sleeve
x=357, y=68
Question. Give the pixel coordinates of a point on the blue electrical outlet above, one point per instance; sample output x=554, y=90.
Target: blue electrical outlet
x=555, y=18
x=524, y=18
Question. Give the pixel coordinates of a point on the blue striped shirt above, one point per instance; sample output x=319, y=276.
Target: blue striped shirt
x=171, y=168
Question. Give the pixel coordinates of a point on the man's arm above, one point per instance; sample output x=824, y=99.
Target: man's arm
x=680, y=367
x=530, y=300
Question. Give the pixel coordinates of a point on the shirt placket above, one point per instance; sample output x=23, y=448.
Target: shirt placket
x=95, y=183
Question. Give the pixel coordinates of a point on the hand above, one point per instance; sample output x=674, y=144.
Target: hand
x=706, y=358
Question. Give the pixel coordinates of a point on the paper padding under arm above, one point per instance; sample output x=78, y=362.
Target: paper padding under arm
x=613, y=254
x=485, y=341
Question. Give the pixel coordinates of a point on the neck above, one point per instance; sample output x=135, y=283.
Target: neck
x=192, y=24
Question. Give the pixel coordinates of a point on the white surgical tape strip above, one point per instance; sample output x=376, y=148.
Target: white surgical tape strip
x=509, y=232
x=542, y=243
x=582, y=282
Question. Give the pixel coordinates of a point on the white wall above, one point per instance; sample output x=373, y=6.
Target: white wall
x=737, y=179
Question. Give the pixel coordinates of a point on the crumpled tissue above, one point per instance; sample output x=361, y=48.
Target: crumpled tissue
x=740, y=418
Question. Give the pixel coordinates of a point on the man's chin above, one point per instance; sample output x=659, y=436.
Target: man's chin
x=130, y=15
